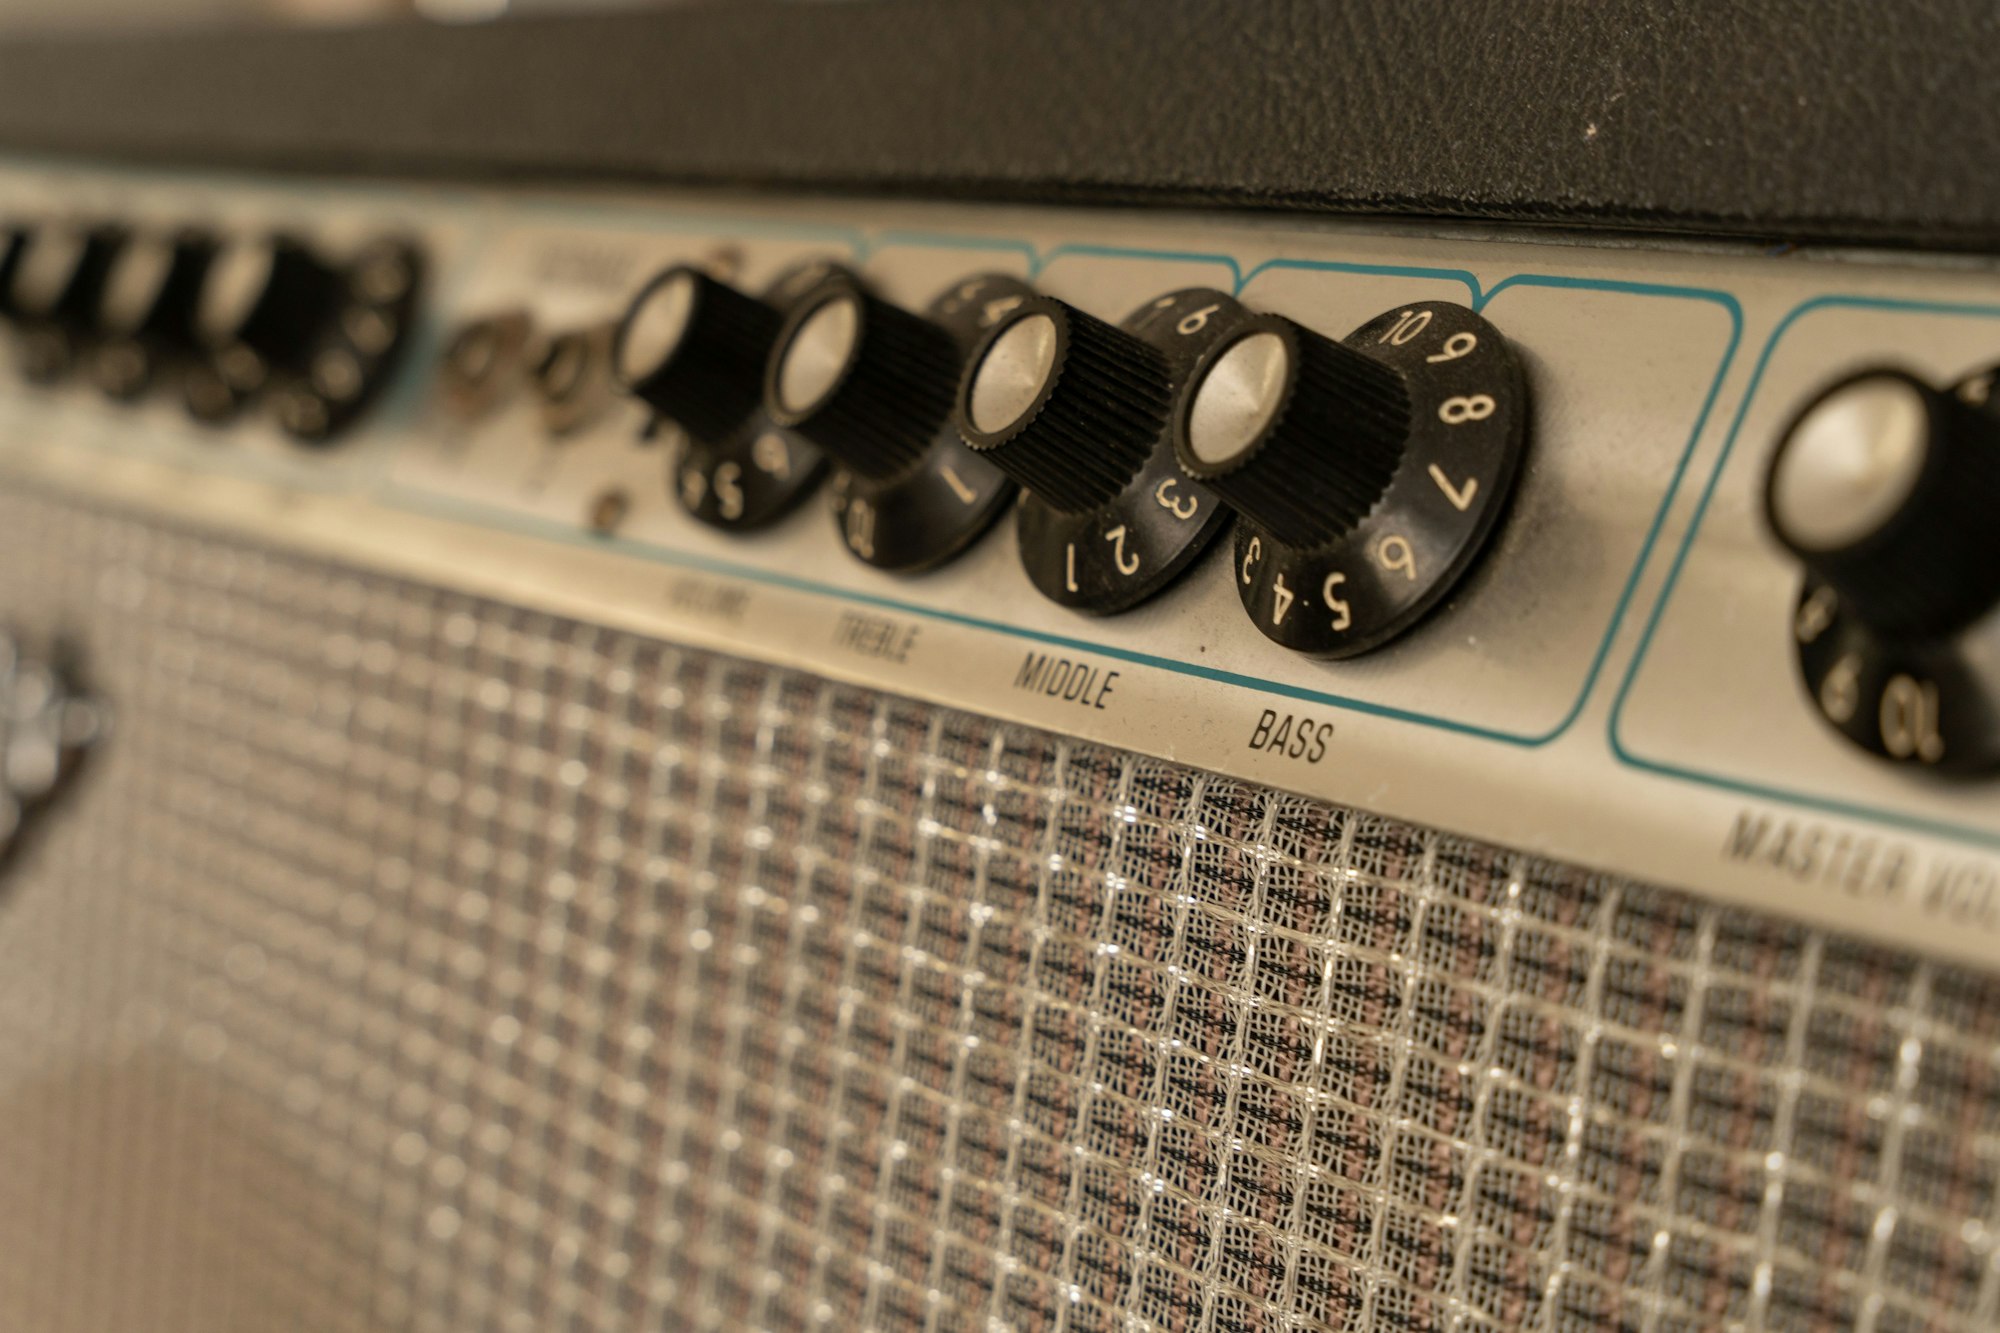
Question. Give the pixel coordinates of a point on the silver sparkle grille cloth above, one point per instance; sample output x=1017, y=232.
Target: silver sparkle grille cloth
x=412, y=962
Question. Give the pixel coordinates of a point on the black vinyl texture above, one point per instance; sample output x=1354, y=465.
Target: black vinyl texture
x=1826, y=119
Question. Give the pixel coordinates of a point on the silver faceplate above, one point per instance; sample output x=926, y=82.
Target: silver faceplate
x=1613, y=685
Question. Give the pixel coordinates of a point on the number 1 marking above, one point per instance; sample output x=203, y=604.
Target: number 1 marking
x=1069, y=579
x=959, y=488
x=1461, y=499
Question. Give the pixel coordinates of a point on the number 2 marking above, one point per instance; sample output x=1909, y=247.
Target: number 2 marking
x=1460, y=497
x=1117, y=539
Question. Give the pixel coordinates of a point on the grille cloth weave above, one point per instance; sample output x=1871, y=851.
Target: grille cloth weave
x=412, y=962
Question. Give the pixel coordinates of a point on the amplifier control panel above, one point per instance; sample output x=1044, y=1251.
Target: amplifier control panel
x=1671, y=558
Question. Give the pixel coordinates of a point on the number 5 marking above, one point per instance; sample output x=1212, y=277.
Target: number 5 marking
x=1343, y=614
x=1461, y=498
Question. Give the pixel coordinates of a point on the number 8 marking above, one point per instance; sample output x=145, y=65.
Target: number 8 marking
x=1465, y=407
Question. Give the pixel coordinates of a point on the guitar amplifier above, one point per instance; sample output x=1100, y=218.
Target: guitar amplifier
x=1144, y=666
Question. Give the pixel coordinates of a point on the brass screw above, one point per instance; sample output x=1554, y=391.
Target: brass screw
x=608, y=511
x=725, y=263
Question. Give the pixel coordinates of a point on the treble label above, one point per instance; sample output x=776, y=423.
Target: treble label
x=883, y=638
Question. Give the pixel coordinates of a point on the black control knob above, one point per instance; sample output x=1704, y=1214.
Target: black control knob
x=1885, y=489
x=13, y=244
x=315, y=336
x=871, y=384
x=1370, y=472
x=1067, y=405
x=694, y=349
x=271, y=295
x=145, y=315
x=866, y=381
x=1295, y=430
x=52, y=294
x=1076, y=410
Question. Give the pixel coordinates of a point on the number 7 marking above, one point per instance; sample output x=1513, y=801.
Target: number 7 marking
x=1461, y=500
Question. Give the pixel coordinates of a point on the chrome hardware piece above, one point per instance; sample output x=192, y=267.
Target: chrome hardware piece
x=47, y=723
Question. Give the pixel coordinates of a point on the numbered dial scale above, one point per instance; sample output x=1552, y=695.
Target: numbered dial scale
x=54, y=287
x=146, y=312
x=1370, y=473
x=694, y=348
x=1076, y=411
x=1887, y=490
x=872, y=385
x=315, y=338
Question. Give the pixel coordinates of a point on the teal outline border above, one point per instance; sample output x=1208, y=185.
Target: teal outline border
x=1038, y=260
x=1744, y=787
x=471, y=209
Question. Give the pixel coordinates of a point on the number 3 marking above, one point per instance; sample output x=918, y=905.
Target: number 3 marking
x=1251, y=555
x=1184, y=509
